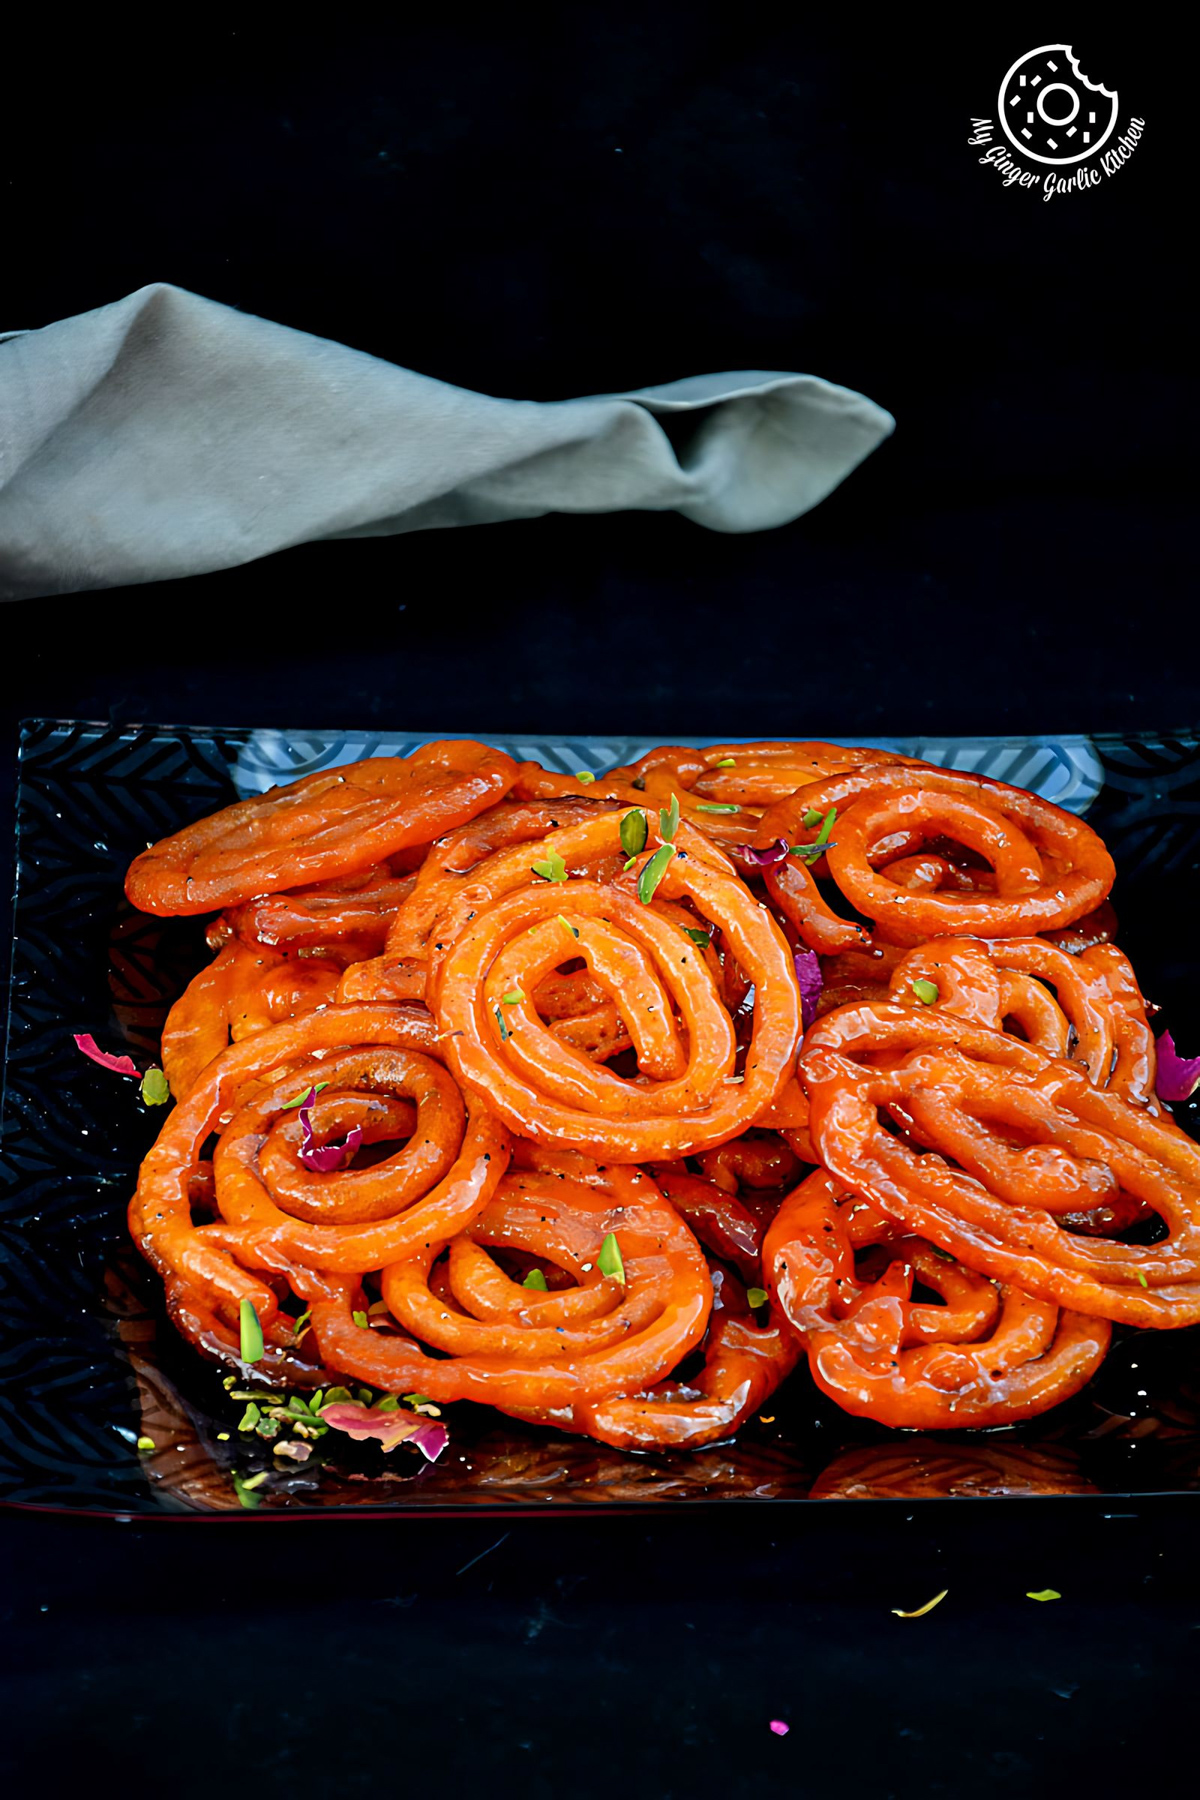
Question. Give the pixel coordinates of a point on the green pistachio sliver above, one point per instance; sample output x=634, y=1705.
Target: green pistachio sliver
x=251, y=1333
x=635, y=829
x=925, y=991
x=536, y=1279
x=145, y=1443
x=756, y=1297
x=726, y=762
x=250, y=1417
x=668, y=821
x=513, y=997
x=505, y=1033
x=389, y=1403
x=812, y=817
x=360, y=1319
x=821, y=842
x=155, y=1088
x=551, y=868
x=301, y=1098
x=567, y=925
x=714, y=806
x=609, y=1262
x=701, y=938
x=653, y=873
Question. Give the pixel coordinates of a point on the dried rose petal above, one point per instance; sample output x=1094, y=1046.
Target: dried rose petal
x=763, y=859
x=120, y=1065
x=391, y=1428
x=1178, y=1076
x=327, y=1157
x=780, y=1727
x=808, y=974
x=324, y=1158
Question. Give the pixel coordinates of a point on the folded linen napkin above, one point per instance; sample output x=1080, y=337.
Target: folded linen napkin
x=168, y=435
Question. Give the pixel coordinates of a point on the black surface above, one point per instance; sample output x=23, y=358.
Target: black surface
x=453, y=197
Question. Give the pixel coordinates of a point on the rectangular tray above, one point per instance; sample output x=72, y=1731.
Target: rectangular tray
x=88, y=1362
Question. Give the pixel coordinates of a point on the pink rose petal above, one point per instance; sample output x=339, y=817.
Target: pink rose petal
x=1178, y=1076
x=763, y=859
x=391, y=1428
x=808, y=974
x=324, y=1158
x=120, y=1065
x=780, y=1727
x=327, y=1157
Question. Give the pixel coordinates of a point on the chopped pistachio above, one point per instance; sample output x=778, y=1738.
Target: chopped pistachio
x=635, y=829
x=551, y=868
x=155, y=1088
x=251, y=1332
x=609, y=1261
x=301, y=1098
x=653, y=873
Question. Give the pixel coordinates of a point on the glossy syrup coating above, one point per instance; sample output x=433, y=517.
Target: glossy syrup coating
x=243, y=990
x=350, y=915
x=1048, y=867
x=328, y=824
x=688, y=1096
x=981, y=1354
x=519, y=1349
x=282, y=1063
x=1025, y=1141
x=517, y=1067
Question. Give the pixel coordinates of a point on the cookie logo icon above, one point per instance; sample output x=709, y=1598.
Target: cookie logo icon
x=1050, y=111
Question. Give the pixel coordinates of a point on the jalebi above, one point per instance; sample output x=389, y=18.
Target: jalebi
x=608, y=1099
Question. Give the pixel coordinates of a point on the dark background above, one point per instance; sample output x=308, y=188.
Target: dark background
x=587, y=205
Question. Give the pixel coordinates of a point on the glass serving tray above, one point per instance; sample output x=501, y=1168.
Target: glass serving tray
x=88, y=1362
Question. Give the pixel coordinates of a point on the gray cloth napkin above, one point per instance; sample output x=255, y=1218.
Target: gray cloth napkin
x=167, y=435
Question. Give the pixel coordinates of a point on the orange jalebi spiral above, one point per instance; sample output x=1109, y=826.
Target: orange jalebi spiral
x=528, y=1352
x=1095, y=1015
x=275, y=1217
x=1031, y=1139
x=447, y=872
x=528, y=1024
x=349, y=915
x=1048, y=867
x=984, y=1356
x=743, y=1365
x=687, y=1096
x=242, y=991
x=329, y=824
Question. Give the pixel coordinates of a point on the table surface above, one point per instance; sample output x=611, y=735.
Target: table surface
x=596, y=206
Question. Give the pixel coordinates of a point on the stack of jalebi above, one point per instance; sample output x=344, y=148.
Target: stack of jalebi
x=608, y=1100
